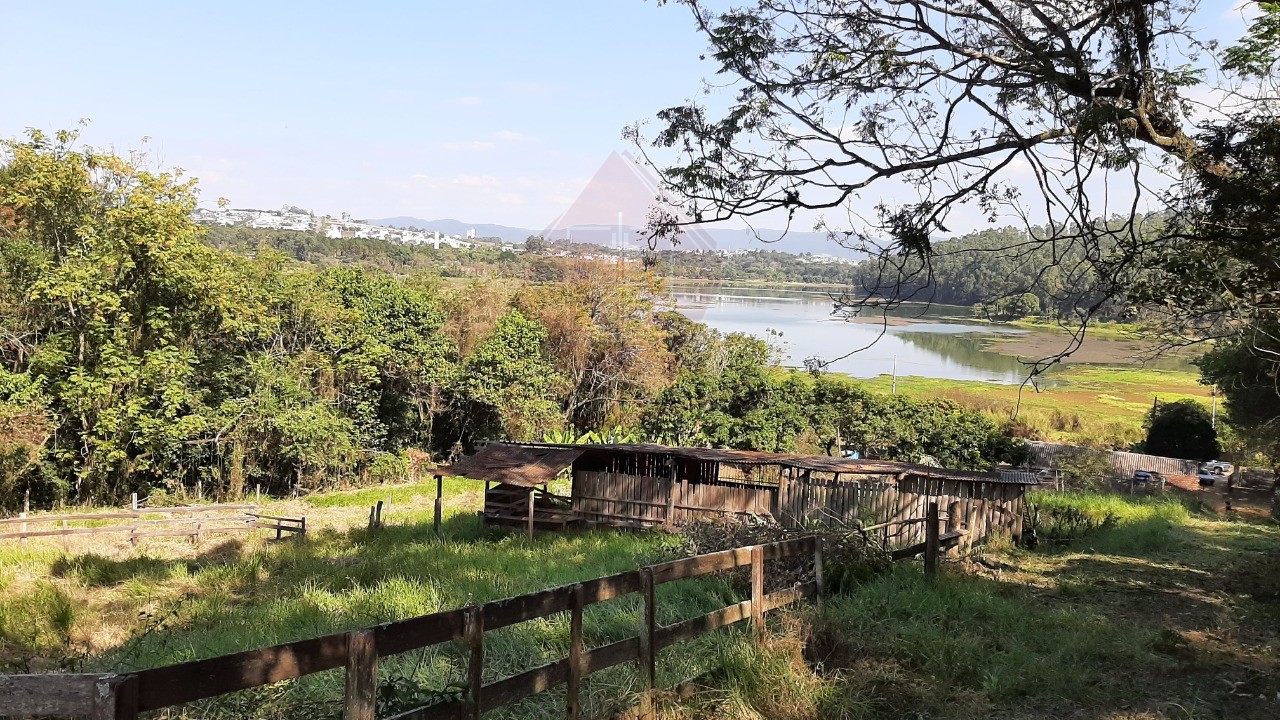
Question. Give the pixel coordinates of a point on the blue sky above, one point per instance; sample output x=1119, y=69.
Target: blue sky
x=481, y=111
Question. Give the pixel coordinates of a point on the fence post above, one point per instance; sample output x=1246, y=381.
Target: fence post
x=648, y=652
x=757, y=592
x=529, y=519
x=473, y=630
x=115, y=698
x=439, y=503
x=23, y=527
x=133, y=501
x=574, y=705
x=360, y=691
x=931, y=540
x=820, y=591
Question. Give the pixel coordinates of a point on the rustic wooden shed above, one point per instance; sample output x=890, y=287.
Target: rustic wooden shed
x=642, y=485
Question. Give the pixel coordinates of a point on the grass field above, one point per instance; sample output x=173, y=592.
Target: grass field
x=98, y=609
x=1094, y=405
x=1160, y=613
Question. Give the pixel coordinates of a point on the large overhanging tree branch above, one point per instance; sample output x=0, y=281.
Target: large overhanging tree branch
x=950, y=104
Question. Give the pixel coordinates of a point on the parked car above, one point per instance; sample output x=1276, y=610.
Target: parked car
x=1217, y=467
x=1207, y=478
x=1145, y=476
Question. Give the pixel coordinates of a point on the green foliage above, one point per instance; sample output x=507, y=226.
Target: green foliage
x=509, y=382
x=735, y=400
x=137, y=356
x=1181, y=429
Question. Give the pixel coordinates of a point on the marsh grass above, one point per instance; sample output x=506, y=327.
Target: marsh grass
x=1091, y=405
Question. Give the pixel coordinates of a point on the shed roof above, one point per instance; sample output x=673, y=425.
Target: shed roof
x=820, y=463
x=523, y=465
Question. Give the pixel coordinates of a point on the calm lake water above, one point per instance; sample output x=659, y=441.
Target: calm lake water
x=935, y=343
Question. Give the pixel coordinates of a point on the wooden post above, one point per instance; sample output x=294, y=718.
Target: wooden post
x=757, y=592
x=574, y=705
x=302, y=527
x=931, y=540
x=820, y=590
x=115, y=697
x=648, y=651
x=257, y=494
x=373, y=517
x=64, y=536
x=529, y=516
x=23, y=527
x=439, y=503
x=780, y=498
x=360, y=694
x=379, y=513
x=669, y=513
x=473, y=631
x=133, y=501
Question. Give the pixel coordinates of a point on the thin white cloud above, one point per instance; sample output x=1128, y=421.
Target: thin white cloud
x=474, y=146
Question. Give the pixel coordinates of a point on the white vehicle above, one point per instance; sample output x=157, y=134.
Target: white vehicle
x=1217, y=467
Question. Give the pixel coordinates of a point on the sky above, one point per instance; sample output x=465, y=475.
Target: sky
x=493, y=112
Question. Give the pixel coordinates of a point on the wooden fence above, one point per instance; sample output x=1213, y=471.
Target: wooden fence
x=980, y=508
x=141, y=523
x=1123, y=464
x=124, y=696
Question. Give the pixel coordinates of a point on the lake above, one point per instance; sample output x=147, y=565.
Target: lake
x=923, y=341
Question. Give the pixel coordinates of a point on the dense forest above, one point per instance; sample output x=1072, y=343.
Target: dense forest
x=142, y=352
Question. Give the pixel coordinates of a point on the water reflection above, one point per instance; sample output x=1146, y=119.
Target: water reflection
x=925, y=341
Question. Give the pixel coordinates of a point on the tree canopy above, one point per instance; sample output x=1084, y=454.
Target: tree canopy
x=1181, y=429
x=1066, y=116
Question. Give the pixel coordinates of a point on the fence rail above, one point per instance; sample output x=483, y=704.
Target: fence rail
x=122, y=697
x=201, y=520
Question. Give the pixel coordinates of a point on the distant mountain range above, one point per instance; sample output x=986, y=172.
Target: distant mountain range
x=793, y=242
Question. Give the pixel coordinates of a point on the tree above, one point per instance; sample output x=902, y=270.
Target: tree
x=944, y=102
x=1181, y=429
x=506, y=387
x=603, y=338
x=1249, y=378
x=106, y=287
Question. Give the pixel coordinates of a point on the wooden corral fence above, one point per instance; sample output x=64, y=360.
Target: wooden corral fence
x=887, y=503
x=1123, y=464
x=193, y=521
x=124, y=696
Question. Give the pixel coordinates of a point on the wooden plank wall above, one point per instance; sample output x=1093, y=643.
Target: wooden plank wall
x=804, y=498
x=637, y=499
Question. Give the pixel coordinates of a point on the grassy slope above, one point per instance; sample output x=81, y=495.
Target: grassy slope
x=1164, y=615
x=115, y=609
x=1085, y=404
x=1158, y=616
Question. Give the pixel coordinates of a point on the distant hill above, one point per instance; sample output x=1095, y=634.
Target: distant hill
x=794, y=242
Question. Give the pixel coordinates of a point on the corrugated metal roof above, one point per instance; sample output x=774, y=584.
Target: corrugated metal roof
x=523, y=465
x=819, y=463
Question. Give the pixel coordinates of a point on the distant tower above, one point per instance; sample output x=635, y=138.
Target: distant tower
x=471, y=234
